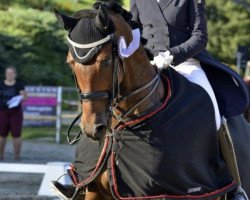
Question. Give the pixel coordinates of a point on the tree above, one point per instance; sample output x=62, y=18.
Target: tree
x=228, y=27
x=120, y=1
x=245, y=3
x=32, y=41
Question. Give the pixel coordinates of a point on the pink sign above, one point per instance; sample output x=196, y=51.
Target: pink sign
x=41, y=101
x=49, y=101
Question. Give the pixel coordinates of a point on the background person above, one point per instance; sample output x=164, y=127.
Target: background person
x=12, y=93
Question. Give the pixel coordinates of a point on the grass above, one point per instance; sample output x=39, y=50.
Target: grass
x=46, y=133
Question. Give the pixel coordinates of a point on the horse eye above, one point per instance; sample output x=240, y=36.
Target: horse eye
x=106, y=62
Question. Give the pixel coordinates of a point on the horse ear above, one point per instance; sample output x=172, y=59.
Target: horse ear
x=67, y=22
x=102, y=19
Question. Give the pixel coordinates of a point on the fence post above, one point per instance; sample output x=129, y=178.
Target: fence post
x=59, y=115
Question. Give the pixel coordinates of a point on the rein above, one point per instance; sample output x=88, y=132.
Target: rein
x=121, y=118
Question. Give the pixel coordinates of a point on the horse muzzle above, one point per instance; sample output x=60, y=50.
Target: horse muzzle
x=97, y=132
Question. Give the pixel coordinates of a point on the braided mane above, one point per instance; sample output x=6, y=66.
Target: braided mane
x=115, y=7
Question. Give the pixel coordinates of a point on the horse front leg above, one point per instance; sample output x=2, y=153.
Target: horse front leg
x=99, y=189
x=93, y=192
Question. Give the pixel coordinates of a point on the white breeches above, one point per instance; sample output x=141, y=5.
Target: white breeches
x=192, y=70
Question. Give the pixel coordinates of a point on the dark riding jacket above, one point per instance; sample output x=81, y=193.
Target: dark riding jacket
x=180, y=27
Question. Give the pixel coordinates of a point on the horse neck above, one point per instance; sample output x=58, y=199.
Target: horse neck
x=139, y=72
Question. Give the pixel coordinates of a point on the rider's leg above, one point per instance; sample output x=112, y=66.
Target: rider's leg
x=93, y=193
x=192, y=70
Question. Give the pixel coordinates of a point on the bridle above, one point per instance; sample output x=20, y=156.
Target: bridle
x=114, y=97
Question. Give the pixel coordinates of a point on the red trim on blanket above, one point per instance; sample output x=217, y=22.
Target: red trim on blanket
x=116, y=192
x=75, y=179
x=72, y=174
x=150, y=114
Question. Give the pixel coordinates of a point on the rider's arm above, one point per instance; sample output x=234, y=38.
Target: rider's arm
x=198, y=33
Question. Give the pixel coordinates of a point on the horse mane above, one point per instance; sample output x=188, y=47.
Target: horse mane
x=116, y=8
x=86, y=13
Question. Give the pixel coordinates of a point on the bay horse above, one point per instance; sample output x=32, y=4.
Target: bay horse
x=122, y=98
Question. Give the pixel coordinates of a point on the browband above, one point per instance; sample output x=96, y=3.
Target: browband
x=90, y=45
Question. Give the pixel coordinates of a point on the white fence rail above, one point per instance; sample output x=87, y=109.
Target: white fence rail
x=51, y=171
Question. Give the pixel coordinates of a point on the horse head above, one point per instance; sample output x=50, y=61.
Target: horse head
x=101, y=63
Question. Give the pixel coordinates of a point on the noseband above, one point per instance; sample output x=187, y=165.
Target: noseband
x=90, y=96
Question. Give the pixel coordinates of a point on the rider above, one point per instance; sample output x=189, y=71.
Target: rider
x=178, y=30
x=176, y=34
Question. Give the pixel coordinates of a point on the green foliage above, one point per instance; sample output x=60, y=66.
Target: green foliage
x=34, y=43
x=68, y=6
x=48, y=133
x=120, y=1
x=228, y=27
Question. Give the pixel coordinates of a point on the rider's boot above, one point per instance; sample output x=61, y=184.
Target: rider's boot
x=67, y=192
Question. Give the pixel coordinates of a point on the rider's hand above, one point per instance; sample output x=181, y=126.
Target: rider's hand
x=163, y=60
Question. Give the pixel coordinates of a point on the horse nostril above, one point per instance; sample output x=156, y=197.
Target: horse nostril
x=99, y=131
x=99, y=128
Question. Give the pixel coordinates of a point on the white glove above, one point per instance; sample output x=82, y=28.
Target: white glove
x=163, y=60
